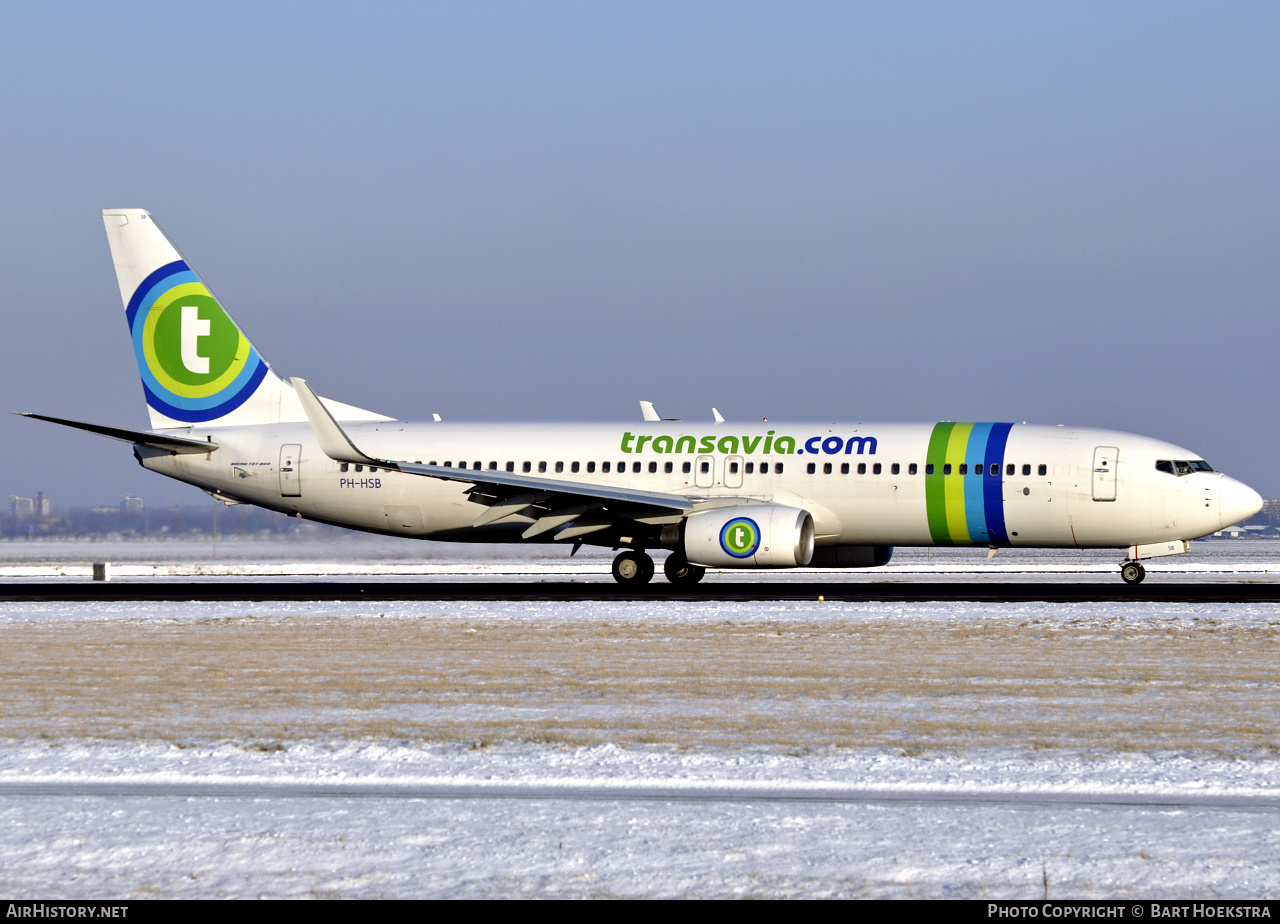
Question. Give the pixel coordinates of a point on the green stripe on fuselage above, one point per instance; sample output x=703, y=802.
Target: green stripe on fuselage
x=935, y=486
x=957, y=524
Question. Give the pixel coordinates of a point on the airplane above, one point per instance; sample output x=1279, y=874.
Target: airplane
x=716, y=495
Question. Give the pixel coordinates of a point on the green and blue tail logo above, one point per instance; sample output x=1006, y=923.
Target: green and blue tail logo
x=196, y=365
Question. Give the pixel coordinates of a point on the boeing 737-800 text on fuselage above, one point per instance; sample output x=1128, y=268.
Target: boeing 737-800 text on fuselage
x=721, y=495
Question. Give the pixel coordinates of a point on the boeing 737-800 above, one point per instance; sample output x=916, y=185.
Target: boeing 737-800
x=719, y=495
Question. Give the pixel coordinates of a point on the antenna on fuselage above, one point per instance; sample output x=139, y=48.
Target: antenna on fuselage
x=717, y=415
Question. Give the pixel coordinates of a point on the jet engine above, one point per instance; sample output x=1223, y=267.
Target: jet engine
x=749, y=536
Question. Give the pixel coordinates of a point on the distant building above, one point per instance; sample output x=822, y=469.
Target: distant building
x=43, y=506
x=1271, y=511
x=130, y=504
x=21, y=506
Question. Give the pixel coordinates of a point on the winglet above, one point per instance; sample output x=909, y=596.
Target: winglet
x=334, y=442
x=648, y=411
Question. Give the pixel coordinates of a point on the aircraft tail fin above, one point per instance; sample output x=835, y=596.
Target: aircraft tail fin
x=197, y=365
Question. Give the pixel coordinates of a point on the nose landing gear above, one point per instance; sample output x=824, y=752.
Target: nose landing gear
x=632, y=568
x=1132, y=572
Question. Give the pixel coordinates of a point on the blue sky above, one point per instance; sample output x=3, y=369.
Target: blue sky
x=1056, y=213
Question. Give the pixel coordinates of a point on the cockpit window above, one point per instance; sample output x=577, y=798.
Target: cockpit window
x=1182, y=466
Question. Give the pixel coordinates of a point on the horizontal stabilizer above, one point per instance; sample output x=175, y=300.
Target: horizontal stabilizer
x=174, y=444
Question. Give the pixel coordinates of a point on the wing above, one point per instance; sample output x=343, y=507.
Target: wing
x=575, y=508
x=174, y=444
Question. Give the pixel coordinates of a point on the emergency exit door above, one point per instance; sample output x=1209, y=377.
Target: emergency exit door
x=1104, y=473
x=291, y=470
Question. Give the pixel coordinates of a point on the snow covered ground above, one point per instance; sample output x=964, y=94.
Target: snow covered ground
x=974, y=750
x=371, y=847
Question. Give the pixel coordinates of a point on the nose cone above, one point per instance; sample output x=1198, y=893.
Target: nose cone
x=1238, y=501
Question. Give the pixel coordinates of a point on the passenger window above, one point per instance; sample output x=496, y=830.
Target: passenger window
x=511, y=466
x=862, y=468
x=686, y=467
x=542, y=467
x=946, y=468
x=667, y=467
x=928, y=468
x=591, y=467
x=812, y=468
x=844, y=468
x=635, y=467
x=1010, y=469
x=1026, y=469
x=911, y=469
x=559, y=467
x=344, y=466
x=895, y=468
x=1044, y=469
x=359, y=468
x=764, y=468
x=1164, y=465
x=826, y=468
x=777, y=468
x=653, y=468
x=964, y=468
x=875, y=469
x=622, y=468
x=573, y=467
x=448, y=465
x=526, y=467
x=604, y=467
x=493, y=466
x=476, y=466
x=751, y=467
x=705, y=467
x=733, y=468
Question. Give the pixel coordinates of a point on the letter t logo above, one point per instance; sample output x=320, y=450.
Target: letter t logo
x=193, y=328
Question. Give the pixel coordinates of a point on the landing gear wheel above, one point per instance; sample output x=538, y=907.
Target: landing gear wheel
x=679, y=571
x=633, y=569
x=1132, y=572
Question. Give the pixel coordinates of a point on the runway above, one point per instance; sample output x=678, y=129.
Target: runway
x=615, y=792
x=977, y=590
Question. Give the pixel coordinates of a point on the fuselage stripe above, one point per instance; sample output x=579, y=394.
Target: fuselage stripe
x=966, y=508
x=935, y=496
x=993, y=485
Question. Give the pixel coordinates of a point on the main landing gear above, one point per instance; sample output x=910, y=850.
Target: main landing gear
x=633, y=568
x=1132, y=572
x=679, y=571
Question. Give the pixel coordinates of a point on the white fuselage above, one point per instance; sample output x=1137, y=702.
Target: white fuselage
x=1040, y=486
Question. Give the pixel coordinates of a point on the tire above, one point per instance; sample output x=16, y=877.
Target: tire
x=632, y=569
x=679, y=571
x=1132, y=572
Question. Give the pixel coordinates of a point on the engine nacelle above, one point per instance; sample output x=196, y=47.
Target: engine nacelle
x=749, y=536
x=851, y=556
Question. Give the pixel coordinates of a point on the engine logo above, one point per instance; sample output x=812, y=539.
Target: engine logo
x=740, y=537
